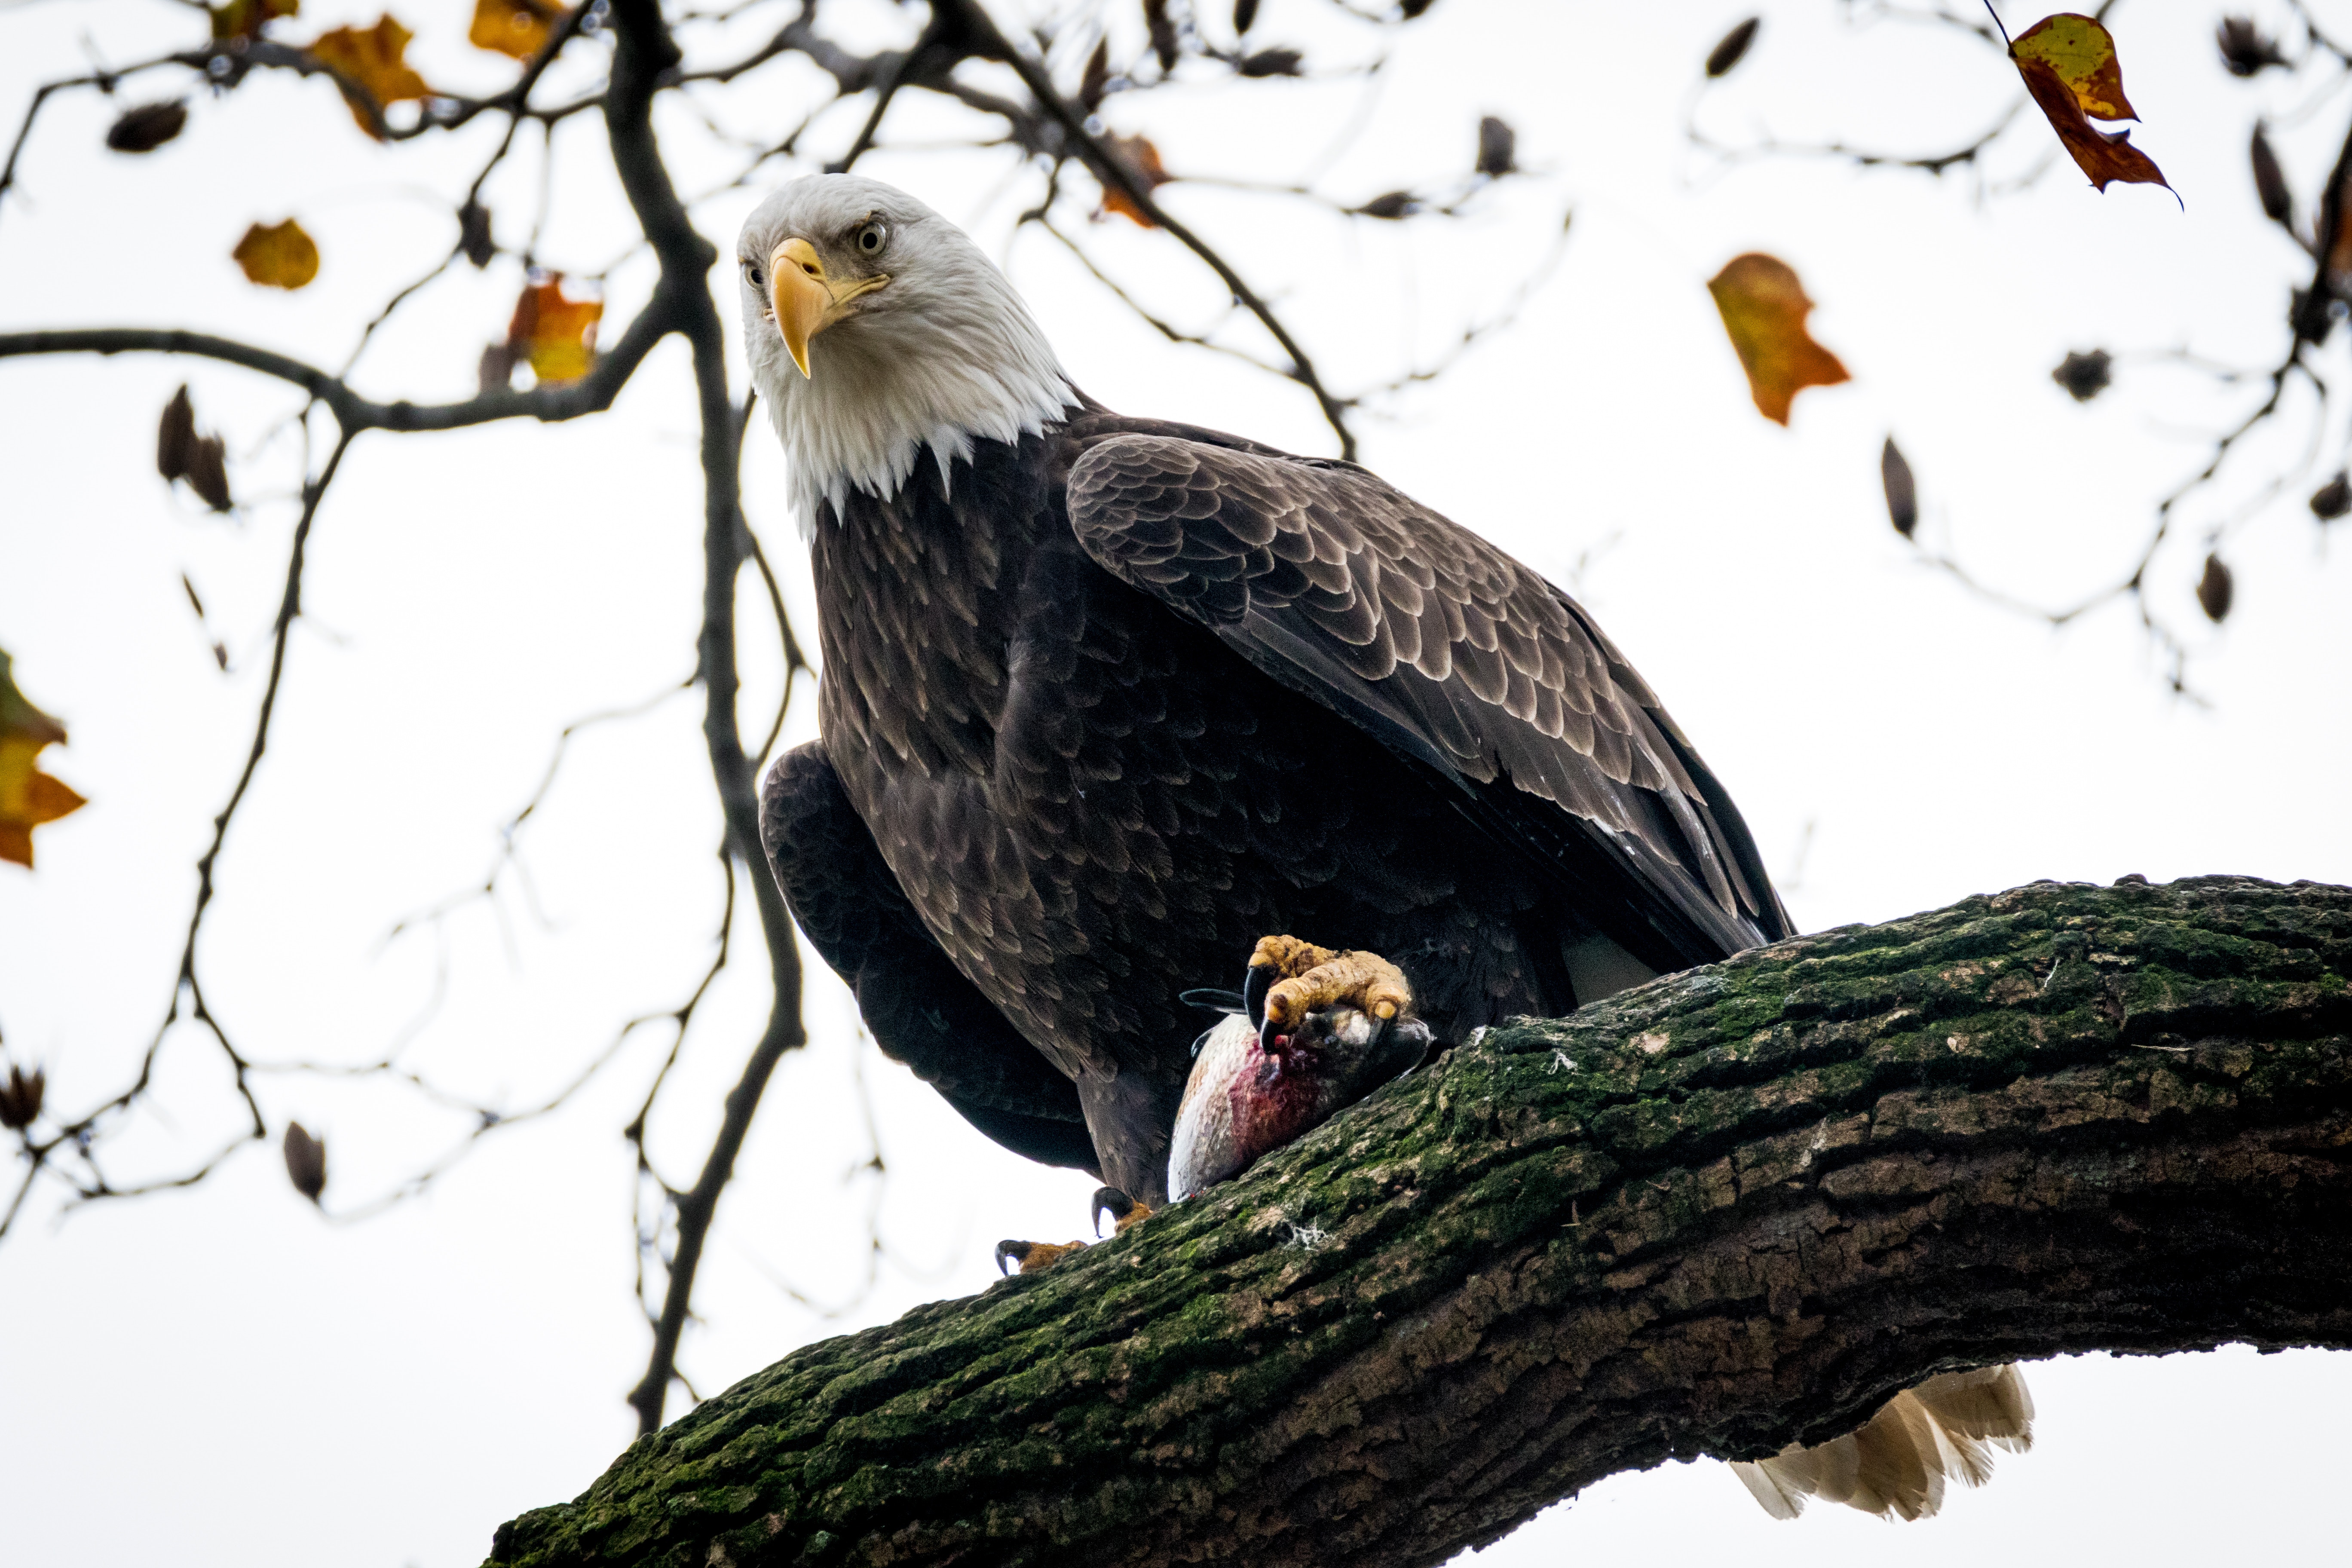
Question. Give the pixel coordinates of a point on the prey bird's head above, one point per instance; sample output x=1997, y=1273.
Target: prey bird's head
x=876, y=328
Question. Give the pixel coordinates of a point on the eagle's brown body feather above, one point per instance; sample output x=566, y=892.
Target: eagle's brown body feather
x=1131, y=695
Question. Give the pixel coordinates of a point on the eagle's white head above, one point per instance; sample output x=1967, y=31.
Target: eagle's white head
x=876, y=328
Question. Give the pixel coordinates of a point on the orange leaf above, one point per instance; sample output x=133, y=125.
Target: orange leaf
x=1143, y=161
x=1764, y=310
x=516, y=27
x=280, y=255
x=556, y=334
x=370, y=63
x=2069, y=67
x=28, y=797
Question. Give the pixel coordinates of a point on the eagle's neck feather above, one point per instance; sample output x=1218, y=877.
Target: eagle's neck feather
x=965, y=364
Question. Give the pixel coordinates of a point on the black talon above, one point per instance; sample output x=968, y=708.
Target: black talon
x=1112, y=1202
x=1256, y=983
x=1215, y=1000
x=1016, y=1251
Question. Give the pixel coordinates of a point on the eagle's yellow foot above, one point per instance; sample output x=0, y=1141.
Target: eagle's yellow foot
x=1030, y=1256
x=1289, y=979
x=1124, y=1211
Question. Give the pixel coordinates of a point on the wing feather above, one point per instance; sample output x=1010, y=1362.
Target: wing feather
x=1448, y=650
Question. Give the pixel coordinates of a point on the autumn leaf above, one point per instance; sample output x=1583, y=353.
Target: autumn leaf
x=1096, y=82
x=556, y=334
x=370, y=62
x=306, y=1160
x=516, y=27
x=28, y=797
x=2084, y=376
x=20, y=1097
x=1143, y=161
x=2069, y=67
x=278, y=255
x=2333, y=498
x=1902, y=493
x=1162, y=28
x=1733, y=48
x=147, y=127
x=2270, y=182
x=244, y=18
x=1764, y=310
x=182, y=454
x=2215, y=590
x=1498, y=148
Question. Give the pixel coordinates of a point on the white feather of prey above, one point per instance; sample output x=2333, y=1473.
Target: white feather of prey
x=944, y=357
x=1897, y=1464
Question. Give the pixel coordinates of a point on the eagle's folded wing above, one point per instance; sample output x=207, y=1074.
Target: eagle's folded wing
x=1451, y=653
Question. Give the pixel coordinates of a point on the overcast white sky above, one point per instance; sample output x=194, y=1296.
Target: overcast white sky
x=220, y=1377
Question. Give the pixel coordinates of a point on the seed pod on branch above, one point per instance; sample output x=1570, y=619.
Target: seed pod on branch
x=2244, y=49
x=182, y=454
x=1902, y=494
x=20, y=1097
x=1245, y=16
x=473, y=233
x=1272, y=62
x=1733, y=48
x=1096, y=80
x=147, y=127
x=2270, y=182
x=306, y=1160
x=2215, y=589
x=2333, y=498
x=1498, y=148
x=1163, y=32
x=2084, y=376
x=1394, y=205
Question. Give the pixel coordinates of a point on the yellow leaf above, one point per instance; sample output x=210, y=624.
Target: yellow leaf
x=370, y=62
x=556, y=334
x=28, y=797
x=1143, y=161
x=280, y=254
x=2083, y=55
x=516, y=27
x=1764, y=310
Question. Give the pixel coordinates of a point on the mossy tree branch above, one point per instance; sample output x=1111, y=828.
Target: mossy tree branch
x=1736, y=1207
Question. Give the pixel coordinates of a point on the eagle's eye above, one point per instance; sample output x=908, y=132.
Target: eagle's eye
x=871, y=238
x=752, y=275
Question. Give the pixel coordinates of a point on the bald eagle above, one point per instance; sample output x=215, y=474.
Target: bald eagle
x=1107, y=700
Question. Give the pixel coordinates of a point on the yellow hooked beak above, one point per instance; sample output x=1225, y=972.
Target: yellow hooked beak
x=806, y=301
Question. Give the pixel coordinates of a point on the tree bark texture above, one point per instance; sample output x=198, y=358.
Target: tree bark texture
x=1736, y=1207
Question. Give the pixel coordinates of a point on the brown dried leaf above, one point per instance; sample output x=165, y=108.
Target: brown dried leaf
x=28, y=797
x=2084, y=376
x=1498, y=148
x=370, y=62
x=1733, y=48
x=246, y=18
x=306, y=1160
x=20, y=1097
x=1163, y=32
x=1092, y=85
x=1143, y=161
x=2069, y=67
x=2333, y=498
x=182, y=454
x=514, y=27
x=147, y=127
x=1410, y=9
x=2270, y=182
x=2244, y=48
x=1394, y=205
x=1272, y=62
x=1764, y=310
x=1245, y=16
x=2215, y=589
x=1902, y=494
x=278, y=256
x=473, y=233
